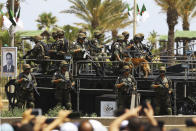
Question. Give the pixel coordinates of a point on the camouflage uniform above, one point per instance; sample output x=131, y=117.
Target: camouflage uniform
x=63, y=87
x=126, y=37
x=125, y=91
x=25, y=91
x=162, y=99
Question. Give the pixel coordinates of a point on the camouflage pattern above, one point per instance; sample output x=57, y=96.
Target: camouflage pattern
x=62, y=93
x=124, y=93
x=25, y=91
x=162, y=99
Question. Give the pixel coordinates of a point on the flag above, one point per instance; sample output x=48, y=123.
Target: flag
x=144, y=14
x=19, y=26
x=143, y=10
x=11, y=17
x=138, y=10
x=6, y=23
x=18, y=15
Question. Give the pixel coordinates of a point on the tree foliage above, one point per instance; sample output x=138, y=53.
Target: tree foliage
x=46, y=21
x=105, y=15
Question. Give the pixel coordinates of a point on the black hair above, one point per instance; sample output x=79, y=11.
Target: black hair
x=8, y=54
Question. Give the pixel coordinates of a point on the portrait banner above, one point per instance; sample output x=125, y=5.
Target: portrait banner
x=8, y=61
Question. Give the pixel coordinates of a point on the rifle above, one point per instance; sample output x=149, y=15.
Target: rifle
x=66, y=83
x=31, y=83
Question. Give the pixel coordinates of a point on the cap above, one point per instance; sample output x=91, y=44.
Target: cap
x=125, y=33
x=97, y=32
x=82, y=31
x=97, y=126
x=120, y=37
x=37, y=37
x=81, y=35
x=162, y=68
x=26, y=66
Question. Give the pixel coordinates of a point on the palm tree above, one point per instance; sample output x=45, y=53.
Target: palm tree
x=71, y=32
x=186, y=12
x=107, y=15
x=153, y=39
x=170, y=8
x=46, y=21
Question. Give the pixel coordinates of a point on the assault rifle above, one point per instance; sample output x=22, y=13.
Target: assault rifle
x=31, y=84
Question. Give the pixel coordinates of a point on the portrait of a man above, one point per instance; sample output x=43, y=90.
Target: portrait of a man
x=9, y=67
x=8, y=61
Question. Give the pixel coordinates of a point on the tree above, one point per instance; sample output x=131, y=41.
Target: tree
x=170, y=8
x=71, y=32
x=186, y=11
x=46, y=21
x=153, y=39
x=105, y=15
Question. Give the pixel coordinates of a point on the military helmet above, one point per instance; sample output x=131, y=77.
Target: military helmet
x=125, y=68
x=60, y=31
x=120, y=37
x=26, y=66
x=137, y=36
x=162, y=68
x=125, y=33
x=37, y=37
x=63, y=63
x=81, y=35
x=82, y=31
x=97, y=32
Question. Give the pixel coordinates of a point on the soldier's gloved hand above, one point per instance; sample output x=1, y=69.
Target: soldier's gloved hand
x=61, y=80
x=125, y=84
x=160, y=85
x=25, y=79
x=83, y=50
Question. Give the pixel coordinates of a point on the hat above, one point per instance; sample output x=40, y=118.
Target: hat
x=82, y=31
x=162, y=68
x=97, y=32
x=63, y=63
x=37, y=37
x=68, y=126
x=26, y=66
x=97, y=126
x=120, y=37
x=81, y=35
x=125, y=33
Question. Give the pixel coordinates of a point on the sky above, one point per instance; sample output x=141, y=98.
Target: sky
x=30, y=10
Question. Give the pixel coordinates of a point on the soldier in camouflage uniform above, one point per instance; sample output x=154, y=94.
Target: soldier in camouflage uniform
x=139, y=49
x=163, y=88
x=26, y=83
x=125, y=84
x=63, y=83
x=126, y=38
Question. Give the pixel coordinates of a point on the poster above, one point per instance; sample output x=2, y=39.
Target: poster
x=108, y=108
x=8, y=61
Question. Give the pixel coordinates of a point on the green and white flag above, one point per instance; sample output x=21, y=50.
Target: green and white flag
x=144, y=14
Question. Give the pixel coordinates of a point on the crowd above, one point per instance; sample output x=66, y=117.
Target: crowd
x=128, y=121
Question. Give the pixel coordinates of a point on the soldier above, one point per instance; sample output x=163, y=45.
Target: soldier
x=163, y=88
x=139, y=49
x=126, y=37
x=125, y=84
x=26, y=83
x=63, y=83
x=62, y=44
x=80, y=47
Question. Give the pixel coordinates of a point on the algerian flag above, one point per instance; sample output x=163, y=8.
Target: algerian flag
x=130, y=12
x=6, y=23
x=138, y=10
x=19, y=26
x=144, y=14
x=11, y=17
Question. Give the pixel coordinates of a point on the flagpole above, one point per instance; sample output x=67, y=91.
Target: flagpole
x=134, y=18
x=12, y=31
